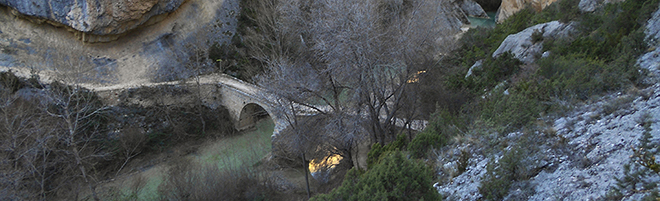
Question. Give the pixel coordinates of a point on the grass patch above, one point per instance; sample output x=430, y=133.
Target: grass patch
x=240, y=150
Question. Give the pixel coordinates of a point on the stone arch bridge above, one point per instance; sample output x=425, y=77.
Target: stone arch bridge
x=246, y=102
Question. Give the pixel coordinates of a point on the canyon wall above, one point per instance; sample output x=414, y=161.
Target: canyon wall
x=93, y=17
x=509, y=7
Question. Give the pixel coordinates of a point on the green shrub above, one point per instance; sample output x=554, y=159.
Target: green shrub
x=501, y=174
x=494, y=71
x=394, y=178
x=480, y=43
x=537, y=36
x=604, y=33
x=590, y=66
x=599, y=58
x=566, y=10
x=578, y=77
x=378, y=151
x=427, y=139
x=511, y=111
x=442, y=127
x=570, y=76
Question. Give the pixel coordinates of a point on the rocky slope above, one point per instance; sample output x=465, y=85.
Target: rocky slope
x=578, y=156
x=581, y=162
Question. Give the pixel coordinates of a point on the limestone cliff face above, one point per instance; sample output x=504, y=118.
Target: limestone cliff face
x=95, y=17
x=145, y=54
x=509, y=7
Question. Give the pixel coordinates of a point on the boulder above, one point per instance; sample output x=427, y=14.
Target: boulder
x=472, y=9
x=477, y=66
x=95, y=17
x=523, y=46
x=509, y=7
x=588, y=5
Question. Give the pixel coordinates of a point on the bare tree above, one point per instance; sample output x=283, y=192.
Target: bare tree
x=381, y=45
x=51, y=134
x=352, y=60
x=15, y=144
x=200, y=63
x=301, y=141
x=26, y=143
x=80, y=114
x=131, y=143
x=189, y=61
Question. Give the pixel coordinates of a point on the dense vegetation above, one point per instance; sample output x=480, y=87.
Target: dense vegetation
x=394, y=177
x=600, y=58
x=302, y=61
x=597, y=60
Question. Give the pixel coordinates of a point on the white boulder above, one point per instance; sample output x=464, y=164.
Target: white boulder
x=522, y=46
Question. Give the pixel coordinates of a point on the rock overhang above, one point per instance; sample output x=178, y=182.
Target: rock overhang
x=94, y=20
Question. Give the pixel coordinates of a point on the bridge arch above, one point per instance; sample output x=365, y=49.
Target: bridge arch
x=249, y=115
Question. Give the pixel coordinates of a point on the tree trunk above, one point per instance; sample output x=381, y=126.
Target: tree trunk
x=306, y=166
x=91, y=186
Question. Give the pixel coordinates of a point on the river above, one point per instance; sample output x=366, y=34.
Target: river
x=245, y=149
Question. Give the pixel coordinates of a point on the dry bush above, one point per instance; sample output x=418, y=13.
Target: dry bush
x=191, y=181
x=138, y=184
x=25, y=147
x=49, y=138
x=131, y=143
